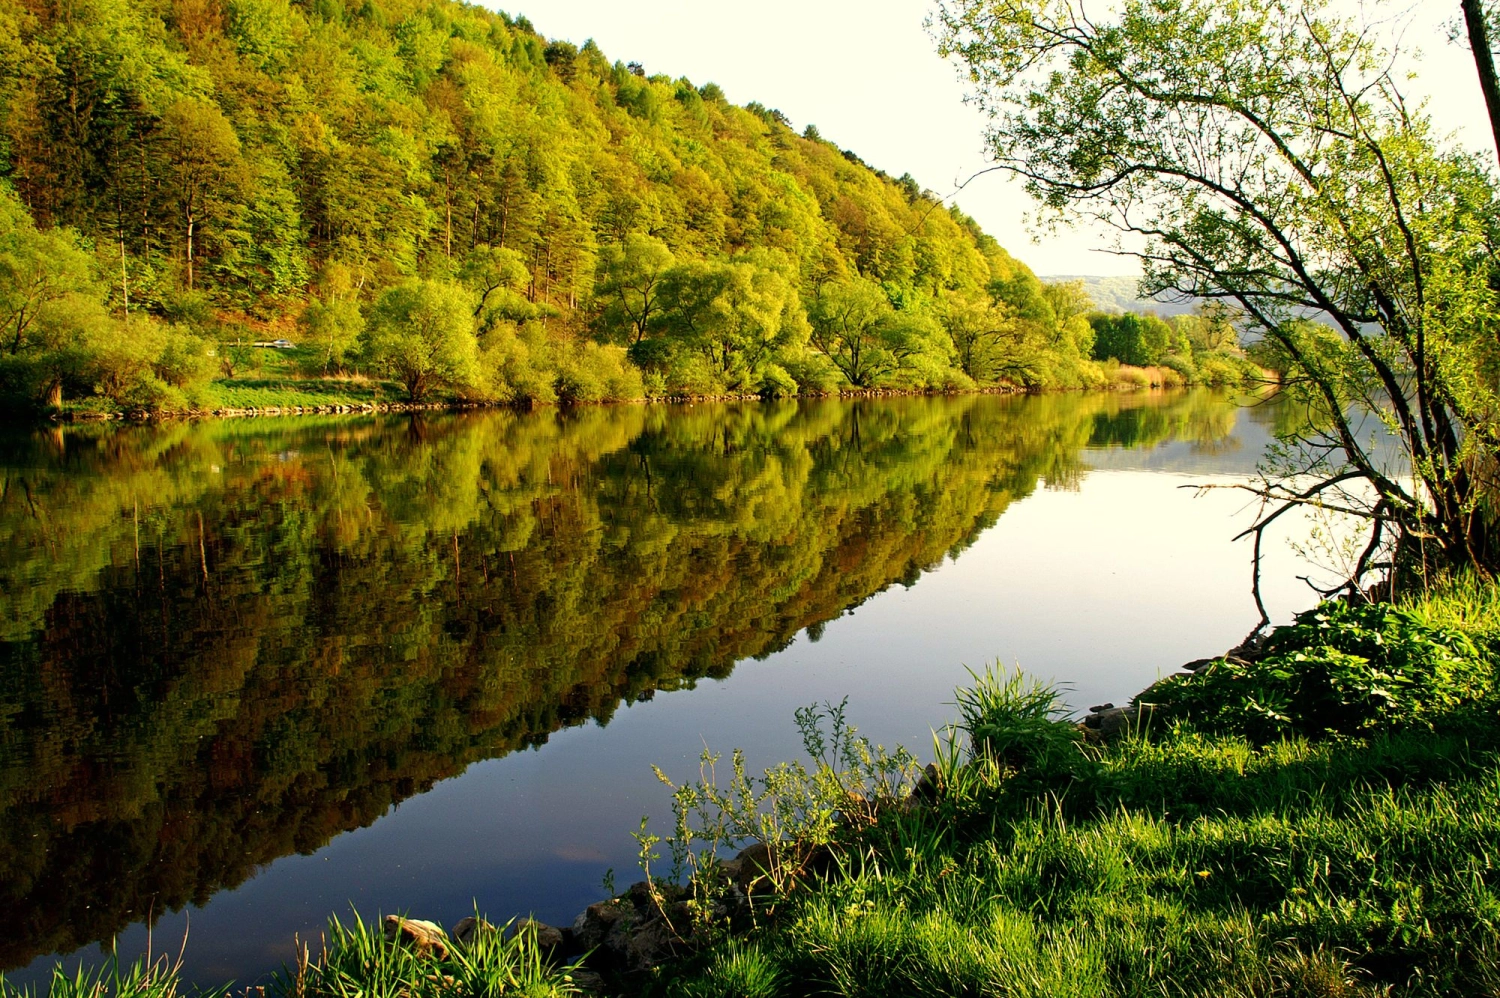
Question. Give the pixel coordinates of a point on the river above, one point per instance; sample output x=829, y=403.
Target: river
x=253, y=672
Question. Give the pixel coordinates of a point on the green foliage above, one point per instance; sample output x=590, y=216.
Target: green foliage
x=738, y=968
x=147, y=977
x=1140, y=340
x=790, y=810
x=301, y=160
x=359, y=961
x=1016, y=722
x=421, y=333
x=1179, y=862
x=334, y=327
x=1265, y=154
x=1338, y=669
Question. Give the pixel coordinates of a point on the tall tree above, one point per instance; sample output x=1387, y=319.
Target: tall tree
x=1266, y=155
x=201, y=154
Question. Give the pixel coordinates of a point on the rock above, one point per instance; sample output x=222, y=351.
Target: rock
x=468, y=928
x=598, y=921
x=427, y=938
x=1123, y=720
x=649, y=944
x=586, y=981
x=1101, y=708
x=752, y=867
x=930, y=787
x=551, y=940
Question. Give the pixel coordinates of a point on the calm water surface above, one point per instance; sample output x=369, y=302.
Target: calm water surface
x=253, y=672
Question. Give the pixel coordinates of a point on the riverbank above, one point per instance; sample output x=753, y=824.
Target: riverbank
x=1315, y=816
x=289, y=396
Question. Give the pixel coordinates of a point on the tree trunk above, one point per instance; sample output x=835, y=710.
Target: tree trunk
x=54, y=394
x=190, y=250
x=1484, y=62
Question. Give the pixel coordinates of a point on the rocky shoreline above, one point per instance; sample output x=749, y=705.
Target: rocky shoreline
x=370, y=408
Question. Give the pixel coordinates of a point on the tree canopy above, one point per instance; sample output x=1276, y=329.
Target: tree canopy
x=1265, y=155
x=245, y=170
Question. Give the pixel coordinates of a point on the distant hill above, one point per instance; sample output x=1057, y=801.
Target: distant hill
x=1121, y=294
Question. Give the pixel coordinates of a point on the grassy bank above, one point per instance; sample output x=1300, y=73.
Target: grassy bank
x=1321, y=818
x=1323, y=821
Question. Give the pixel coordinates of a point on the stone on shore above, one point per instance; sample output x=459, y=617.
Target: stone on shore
x=427, y=938
x=468, y=928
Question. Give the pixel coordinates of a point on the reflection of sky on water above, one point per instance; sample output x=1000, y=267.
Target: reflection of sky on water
x=1102, y=584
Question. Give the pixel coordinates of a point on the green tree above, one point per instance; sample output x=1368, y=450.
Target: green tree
x=334, y=325
x=735, y=315
x=629, y=287
x=422, y=334
x=849, y=321
x=202, y=159
x=1130, y=338
x=1266, y=155
x=980, y=328
x=37, y=269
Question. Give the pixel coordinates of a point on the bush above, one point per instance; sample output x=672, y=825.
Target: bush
x=1181, y=366
x=691, y=375
x=590, y=372
x=183, y=359
x=813, y=372
x=776, y=383
x=331, y=330
x=1219, y=371
x=1338, y=669
x=1017, y=721
x=148, y=393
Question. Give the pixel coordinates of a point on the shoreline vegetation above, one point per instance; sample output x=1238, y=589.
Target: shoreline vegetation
x=296, y=398
x=1311, y=814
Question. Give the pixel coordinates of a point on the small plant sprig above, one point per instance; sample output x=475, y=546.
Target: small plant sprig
x=791, y=809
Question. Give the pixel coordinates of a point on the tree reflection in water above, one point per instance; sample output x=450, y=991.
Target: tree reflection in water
x=228, y=642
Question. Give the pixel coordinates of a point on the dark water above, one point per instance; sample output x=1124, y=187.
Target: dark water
x=252, y=672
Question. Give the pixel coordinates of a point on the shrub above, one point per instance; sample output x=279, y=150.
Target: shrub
x=692, y=376
x=1219, y=371
x=183, y=358
x=1338, y=669
x=1016, y=721
x=590, y=372
x=813, y=372
x=1182, y=367
x=776, y=383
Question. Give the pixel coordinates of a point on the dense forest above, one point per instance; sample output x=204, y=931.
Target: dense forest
x=434, y=194
x=230, y=641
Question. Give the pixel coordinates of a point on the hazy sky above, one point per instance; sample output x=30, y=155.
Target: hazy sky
x=866, y=73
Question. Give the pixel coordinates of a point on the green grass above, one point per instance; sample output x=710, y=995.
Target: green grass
x=1183, y=861
x=285, y=393
x=147, y=977
x=357, y=961
x=354, y=961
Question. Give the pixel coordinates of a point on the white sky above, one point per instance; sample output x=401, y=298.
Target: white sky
x=867, y=74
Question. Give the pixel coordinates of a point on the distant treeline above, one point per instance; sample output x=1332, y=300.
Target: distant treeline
x=433, y=193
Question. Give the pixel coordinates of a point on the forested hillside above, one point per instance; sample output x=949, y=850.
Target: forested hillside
x=434, y=193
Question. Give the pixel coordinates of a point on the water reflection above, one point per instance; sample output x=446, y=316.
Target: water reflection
x=228, y=642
